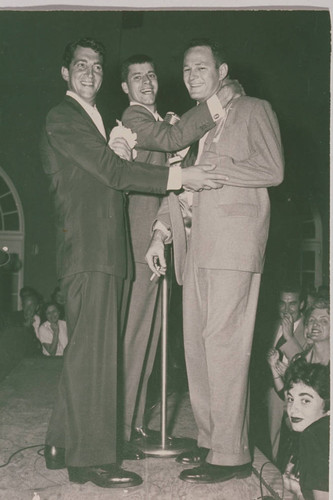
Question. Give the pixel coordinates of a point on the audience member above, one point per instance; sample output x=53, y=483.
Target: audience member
x=317, y=331
x=26, y=323
x=289, y=339
x=58, y=298
x=53, y=332
x=307, y=393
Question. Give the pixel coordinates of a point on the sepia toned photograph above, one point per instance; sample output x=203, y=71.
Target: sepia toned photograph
x=164, y=251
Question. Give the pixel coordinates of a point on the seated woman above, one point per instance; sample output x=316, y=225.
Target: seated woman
x=317, y=331
x=307, y=392
x=53, y=332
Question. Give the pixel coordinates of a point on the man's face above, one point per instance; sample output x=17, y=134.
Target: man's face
x=142, y=84
x=29, y=305
x=318, y=325
x=201, y=76
x=290, y=305
x=85, y=74
x=304, y=406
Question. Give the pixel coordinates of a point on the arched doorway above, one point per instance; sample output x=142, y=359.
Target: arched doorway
x=11, y=238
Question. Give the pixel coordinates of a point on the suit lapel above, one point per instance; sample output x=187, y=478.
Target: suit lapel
x=77, y=106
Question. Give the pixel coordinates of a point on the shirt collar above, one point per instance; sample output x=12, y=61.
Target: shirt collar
x=87, y=107
x=154, y=113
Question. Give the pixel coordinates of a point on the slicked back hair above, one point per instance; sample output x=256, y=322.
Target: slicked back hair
x=217, y=51
x=134, y=59
x=90, y=43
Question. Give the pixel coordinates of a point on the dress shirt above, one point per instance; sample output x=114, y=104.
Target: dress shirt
x=279, y=337
x=91, y=110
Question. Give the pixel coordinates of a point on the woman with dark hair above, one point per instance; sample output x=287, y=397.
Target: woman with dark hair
x=53, y=332
x=307, y=393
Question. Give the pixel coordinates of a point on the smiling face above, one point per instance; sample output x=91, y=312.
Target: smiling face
x=52, y=314
x=141, y=85
x=318, y=326
x=85, y=74
x=201, y=75
x=304, y=406
x=290, y=304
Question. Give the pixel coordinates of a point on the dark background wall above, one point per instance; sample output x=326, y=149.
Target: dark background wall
x=281, y=56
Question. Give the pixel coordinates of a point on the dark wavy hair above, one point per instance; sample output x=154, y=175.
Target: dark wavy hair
x=314, y=375
x=217, y=51
x=134, y=59
x=90, y=43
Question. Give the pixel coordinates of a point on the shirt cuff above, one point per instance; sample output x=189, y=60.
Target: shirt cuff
x=215, y=107
x=175, y=178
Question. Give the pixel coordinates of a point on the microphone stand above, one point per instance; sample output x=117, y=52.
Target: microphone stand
x=169, y=446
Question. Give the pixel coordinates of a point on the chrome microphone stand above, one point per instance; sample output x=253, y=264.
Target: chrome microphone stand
x=169, y=446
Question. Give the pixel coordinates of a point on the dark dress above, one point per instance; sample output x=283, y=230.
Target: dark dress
x=314, y=457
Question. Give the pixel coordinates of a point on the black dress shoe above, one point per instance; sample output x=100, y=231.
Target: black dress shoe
x=131, y=452
x=54, y=457
x=209, y=473
x=196, y=456
x=111, y=476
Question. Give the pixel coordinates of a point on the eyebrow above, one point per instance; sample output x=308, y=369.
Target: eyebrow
x=300, y=394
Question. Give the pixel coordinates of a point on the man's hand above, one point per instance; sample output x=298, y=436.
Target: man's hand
x=287, y=326
x=228, y=90
x=155, y=254
x=202, y=177
x=121, y=147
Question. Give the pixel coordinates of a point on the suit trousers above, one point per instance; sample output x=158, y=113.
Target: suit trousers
x=142, y=333
x=219, y=316
x=275, y=407
x=84, y=419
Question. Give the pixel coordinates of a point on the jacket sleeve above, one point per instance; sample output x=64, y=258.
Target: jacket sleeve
x=68, y=139
x=161, y=136
x=265, y=165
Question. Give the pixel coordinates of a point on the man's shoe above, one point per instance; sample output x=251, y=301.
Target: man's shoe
x=209, y=473
x=54, y=457
x=131, y=452
x=111, y=476
x=149, y=435
x=197, y=456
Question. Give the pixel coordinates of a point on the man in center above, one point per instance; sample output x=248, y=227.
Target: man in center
x=154, y=141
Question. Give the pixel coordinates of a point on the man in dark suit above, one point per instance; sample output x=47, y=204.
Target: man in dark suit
x=88, y=181
x=154, y=141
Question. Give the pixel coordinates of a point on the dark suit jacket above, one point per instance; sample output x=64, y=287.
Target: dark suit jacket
x=87, y=182
x=154, y=139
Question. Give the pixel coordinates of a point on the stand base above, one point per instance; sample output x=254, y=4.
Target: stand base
x=172, y=448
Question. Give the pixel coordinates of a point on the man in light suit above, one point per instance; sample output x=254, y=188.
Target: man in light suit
x=223, y=265
x=88, y=181
x=288, y=340
x=154, y=140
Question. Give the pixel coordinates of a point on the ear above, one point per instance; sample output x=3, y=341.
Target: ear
x=124, y=86
x=65, y=73
x=223, y=71
x=301, y=306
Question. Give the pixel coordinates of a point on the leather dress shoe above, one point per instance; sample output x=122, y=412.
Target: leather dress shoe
x=110, y=476
x=196, y=456
x=209, y=473
x=132, y=452
x=54, y=457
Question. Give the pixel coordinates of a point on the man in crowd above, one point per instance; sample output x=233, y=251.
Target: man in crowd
x=223, y=266
x=154, y=140
x=88, y=181
x=289, y=339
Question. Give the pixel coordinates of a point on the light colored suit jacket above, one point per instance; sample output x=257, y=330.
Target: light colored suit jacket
x=230, y=225
x=154, y=140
